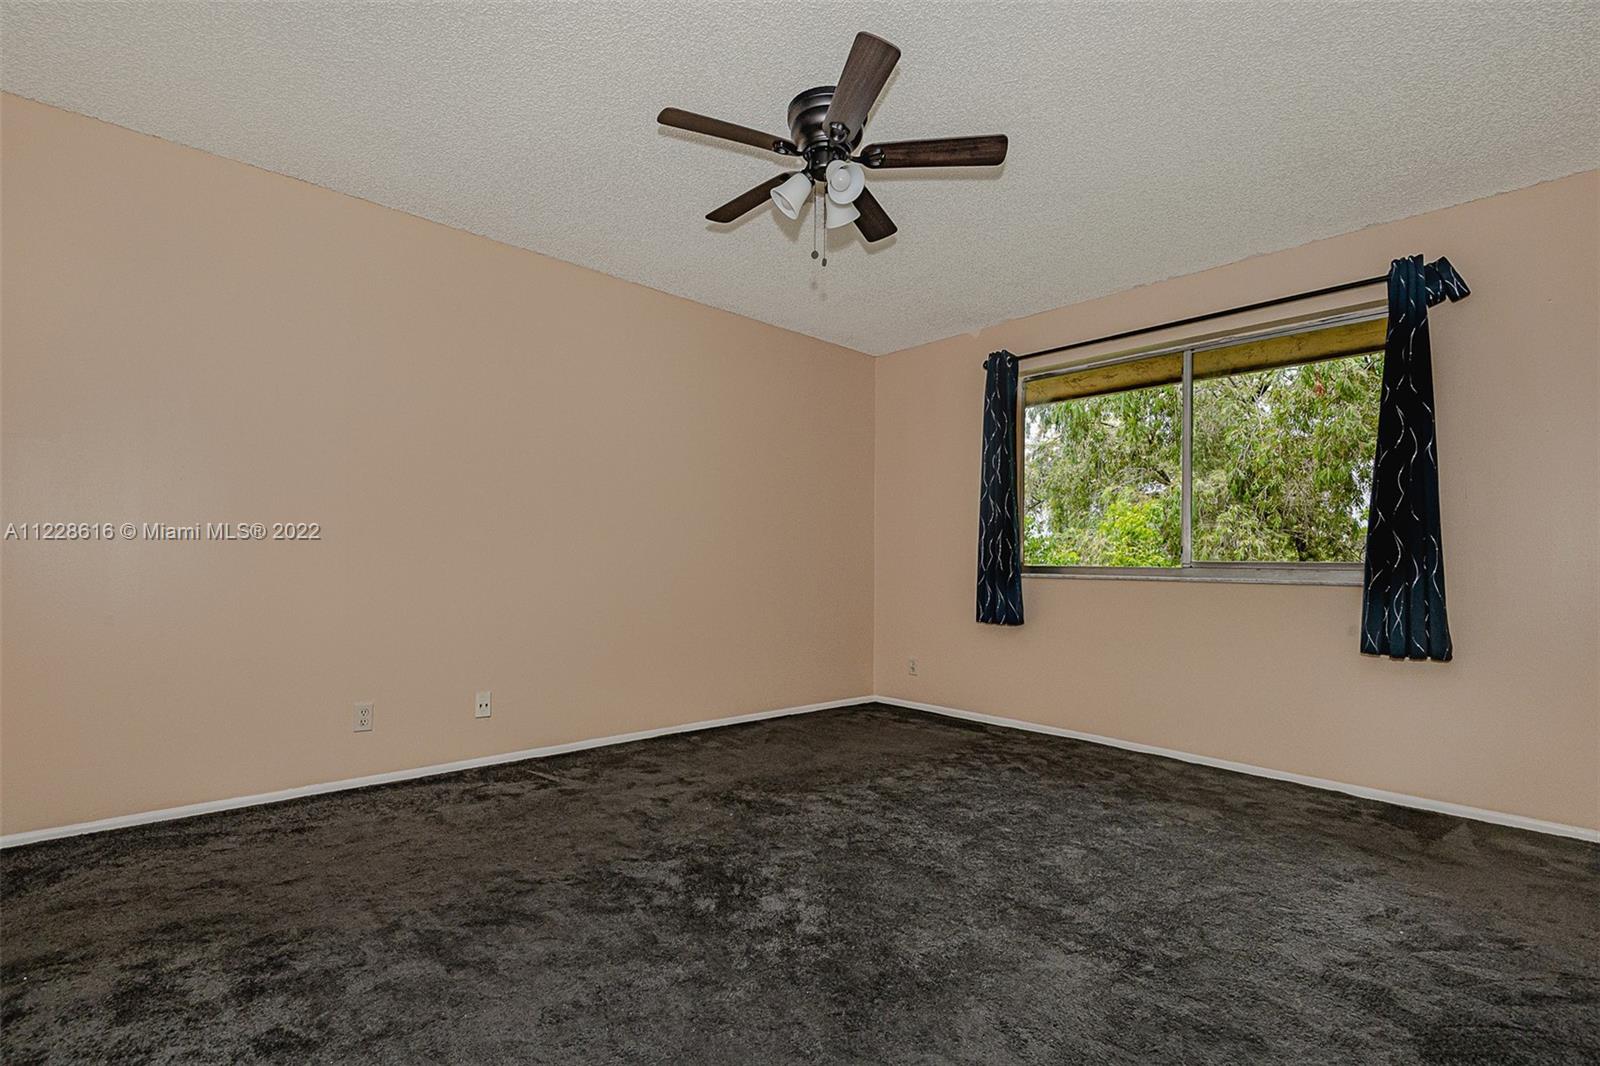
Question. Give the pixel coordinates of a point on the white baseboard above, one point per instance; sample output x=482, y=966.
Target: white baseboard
x=11, y=840
x=1515, y=821
x=1479, y=814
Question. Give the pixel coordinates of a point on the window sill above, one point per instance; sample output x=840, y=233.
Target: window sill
x=1237, y=573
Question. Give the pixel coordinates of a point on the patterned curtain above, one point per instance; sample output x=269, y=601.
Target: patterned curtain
x=1402, y=605
x=999, y=519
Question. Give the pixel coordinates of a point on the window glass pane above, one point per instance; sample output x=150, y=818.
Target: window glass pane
x=1282, y=461
x=1103, y=480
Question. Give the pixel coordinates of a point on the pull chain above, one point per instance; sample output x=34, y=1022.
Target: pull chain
x=814, y=229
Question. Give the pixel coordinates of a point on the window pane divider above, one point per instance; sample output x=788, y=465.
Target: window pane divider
x=1186, y=496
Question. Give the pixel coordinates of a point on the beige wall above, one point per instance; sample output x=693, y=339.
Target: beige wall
x=621, y=510
x=1270, y=675
x=614, y=508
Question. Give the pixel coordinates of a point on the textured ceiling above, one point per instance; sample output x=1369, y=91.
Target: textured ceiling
x=1147, y=140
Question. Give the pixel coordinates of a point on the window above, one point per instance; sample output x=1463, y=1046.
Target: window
x=1246, y=458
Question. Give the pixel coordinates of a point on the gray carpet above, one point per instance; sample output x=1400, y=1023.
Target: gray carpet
x=867, y=885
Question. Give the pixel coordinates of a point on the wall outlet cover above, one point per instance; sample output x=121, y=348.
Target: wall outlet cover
x=364, y=717
x=484, y=706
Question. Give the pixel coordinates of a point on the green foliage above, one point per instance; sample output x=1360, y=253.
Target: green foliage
x=1104, y=480
x=1282, y=467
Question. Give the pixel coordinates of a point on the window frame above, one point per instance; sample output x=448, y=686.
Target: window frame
x=1340, y=574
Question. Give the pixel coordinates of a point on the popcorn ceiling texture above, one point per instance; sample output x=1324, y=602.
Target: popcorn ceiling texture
x=1147, y=141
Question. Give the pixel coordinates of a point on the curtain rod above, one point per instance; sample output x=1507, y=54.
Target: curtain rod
x=1363, y=283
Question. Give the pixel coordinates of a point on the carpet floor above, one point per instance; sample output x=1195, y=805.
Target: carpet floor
x=866, y=885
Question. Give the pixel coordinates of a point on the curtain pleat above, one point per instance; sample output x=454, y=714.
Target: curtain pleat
x=1403, y=603
x=999, y=518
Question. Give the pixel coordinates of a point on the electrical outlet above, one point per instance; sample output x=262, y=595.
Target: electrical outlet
x=364, y=717
x=911, y=667
x=483, y=708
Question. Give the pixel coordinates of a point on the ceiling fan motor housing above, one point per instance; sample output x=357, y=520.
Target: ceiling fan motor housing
x=807, y=127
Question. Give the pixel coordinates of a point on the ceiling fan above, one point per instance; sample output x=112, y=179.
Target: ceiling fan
x=825, y=127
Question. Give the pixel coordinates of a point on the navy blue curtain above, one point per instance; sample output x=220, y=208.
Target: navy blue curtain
x=999, y=518
x=1402, y=605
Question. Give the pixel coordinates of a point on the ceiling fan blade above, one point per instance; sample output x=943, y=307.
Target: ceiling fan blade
x=936, y=152
x=871, y=59
x=874, y=223
x=728, y=131
x=747, y=201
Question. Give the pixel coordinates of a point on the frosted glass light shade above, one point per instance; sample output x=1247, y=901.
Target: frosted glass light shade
x=841, y=214
x=792, y=195
x=845, y=181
